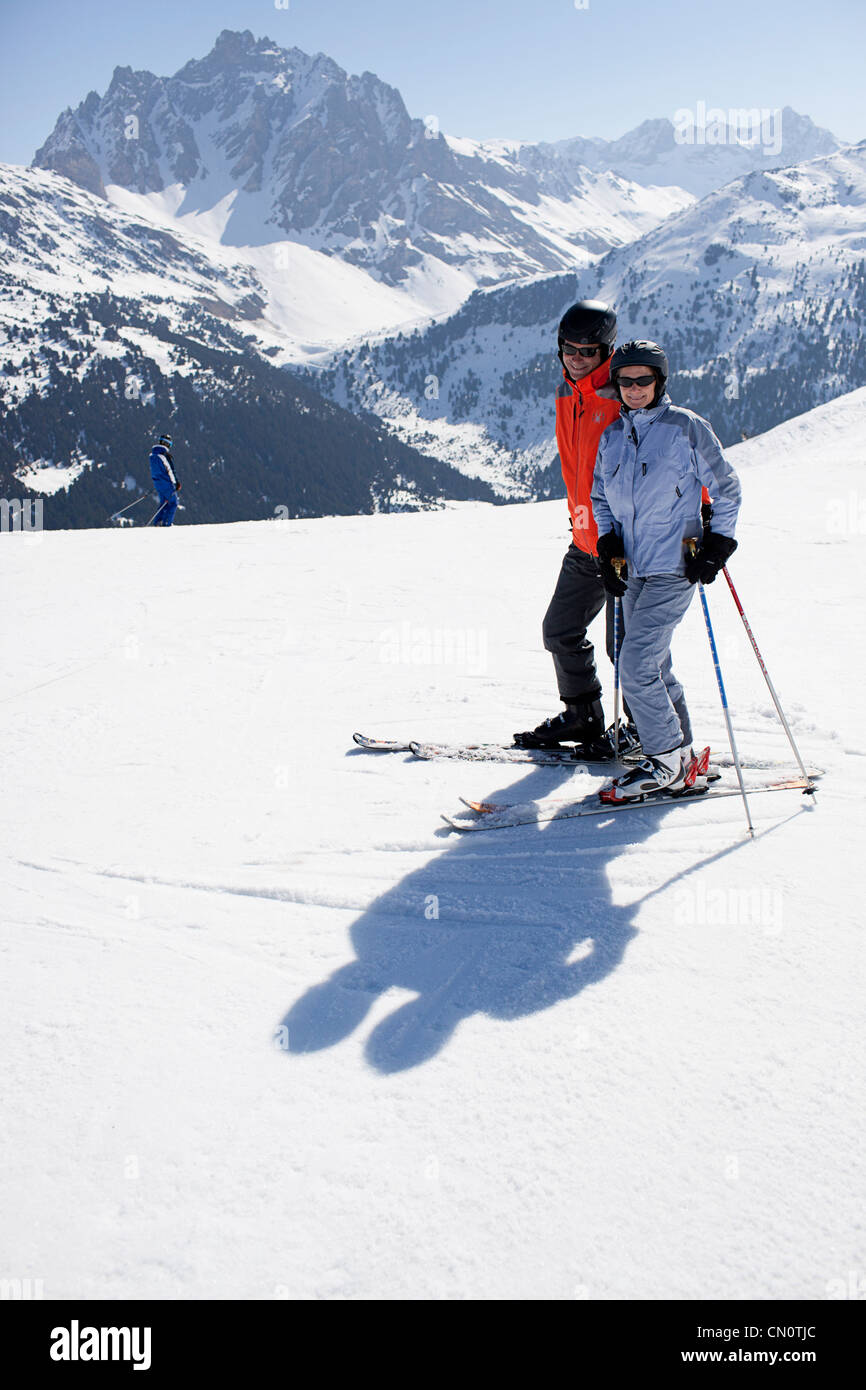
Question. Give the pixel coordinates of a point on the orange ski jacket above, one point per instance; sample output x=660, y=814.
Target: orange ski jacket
x=584, y=409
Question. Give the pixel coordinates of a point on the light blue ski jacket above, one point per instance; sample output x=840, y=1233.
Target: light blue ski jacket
x=649, y=472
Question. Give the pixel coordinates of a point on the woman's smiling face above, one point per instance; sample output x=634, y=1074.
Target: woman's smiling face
x=636, y=396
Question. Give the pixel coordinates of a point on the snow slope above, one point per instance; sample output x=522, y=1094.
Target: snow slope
x=61, y=241
x=269, y=1031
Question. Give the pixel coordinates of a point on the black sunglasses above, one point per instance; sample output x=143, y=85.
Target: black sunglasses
x=569, y=350
x=623, y=382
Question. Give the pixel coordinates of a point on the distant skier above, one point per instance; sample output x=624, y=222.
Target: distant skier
x=585, y=405
x=653, y=464
x=164, y=480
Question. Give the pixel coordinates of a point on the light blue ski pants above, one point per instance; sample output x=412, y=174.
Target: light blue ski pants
x=652, y=608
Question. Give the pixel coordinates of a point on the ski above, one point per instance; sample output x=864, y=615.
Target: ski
x=503, y=753
x=477, y=752
x=382, y=745
x=540, y=757
x=487, y=815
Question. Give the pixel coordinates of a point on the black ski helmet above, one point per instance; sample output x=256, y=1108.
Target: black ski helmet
x=165, y=439
x=641, y=353
x=588, y=321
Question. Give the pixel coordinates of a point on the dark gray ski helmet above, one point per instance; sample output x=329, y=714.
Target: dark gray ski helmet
x=639, y=352
x=588, y=321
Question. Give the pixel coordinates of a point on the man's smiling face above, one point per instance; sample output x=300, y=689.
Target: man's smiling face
x=580, y=358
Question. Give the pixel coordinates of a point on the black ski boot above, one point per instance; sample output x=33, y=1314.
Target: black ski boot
x=582, y=721
x=629, y=740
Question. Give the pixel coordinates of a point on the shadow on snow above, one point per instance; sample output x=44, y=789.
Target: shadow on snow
x=513, y=907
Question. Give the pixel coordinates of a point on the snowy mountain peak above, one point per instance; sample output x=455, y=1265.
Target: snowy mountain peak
x=237, y=46
x=260, y=144
x=245, y=96
x=704, y=147
x=647, y=140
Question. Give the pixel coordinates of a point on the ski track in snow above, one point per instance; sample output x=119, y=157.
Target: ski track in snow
x=271, y=1030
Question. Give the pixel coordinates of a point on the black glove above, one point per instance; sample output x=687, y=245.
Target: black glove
x=178, y=486
x=610, y=549
x=712, y=553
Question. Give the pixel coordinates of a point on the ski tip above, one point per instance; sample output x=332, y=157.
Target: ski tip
x=370, y=745
x=484, y=808
x=380, y=745
x=454, y=824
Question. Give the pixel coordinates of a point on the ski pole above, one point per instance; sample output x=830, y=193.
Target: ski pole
x=725, y=709
x=126, y=508
x=616, y=624
x=156, y=514
x=810, y=790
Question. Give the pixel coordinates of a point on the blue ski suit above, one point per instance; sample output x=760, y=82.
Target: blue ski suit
x=652, y=465
x=165, y=481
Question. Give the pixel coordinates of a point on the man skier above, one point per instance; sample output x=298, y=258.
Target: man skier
x=585, y=405
x=164, y=480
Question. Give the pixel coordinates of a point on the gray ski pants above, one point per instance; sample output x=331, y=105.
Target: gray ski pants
x=653, y=607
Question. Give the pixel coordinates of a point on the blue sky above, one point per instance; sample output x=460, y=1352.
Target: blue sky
x=527, y=69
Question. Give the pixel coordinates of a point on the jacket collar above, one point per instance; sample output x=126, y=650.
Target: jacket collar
x=639, y=416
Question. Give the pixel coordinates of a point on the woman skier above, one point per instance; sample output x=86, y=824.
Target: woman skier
x=653, y=463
